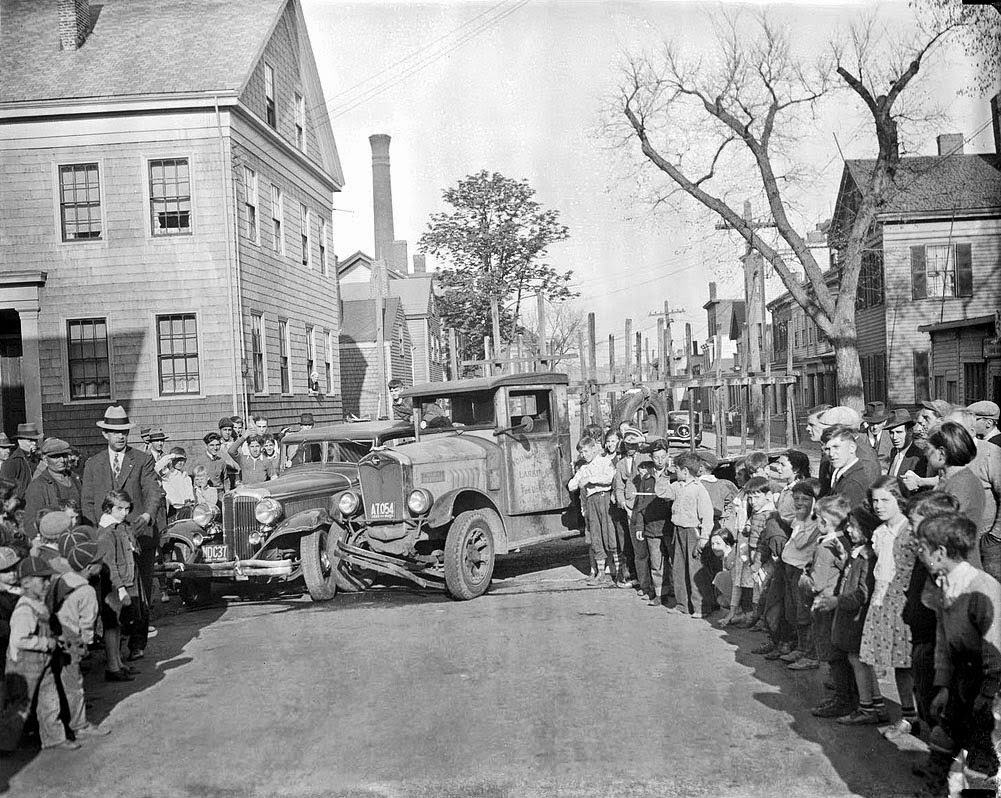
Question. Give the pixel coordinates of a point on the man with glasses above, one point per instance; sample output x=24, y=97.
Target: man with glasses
x=53, y=487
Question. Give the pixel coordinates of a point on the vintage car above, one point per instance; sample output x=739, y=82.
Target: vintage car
x=275, y=532
x=487, y=473
x=679, y=429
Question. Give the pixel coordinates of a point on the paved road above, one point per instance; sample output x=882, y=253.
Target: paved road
x=542, y=687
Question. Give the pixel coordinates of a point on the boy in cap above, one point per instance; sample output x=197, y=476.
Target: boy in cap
x=626, y=470
x=29, y=676
x=987, y=415
x=594, y=480
x=9, y=594
x=51, y=523
x=73, y=602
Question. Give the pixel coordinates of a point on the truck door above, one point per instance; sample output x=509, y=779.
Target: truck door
x=534, y=461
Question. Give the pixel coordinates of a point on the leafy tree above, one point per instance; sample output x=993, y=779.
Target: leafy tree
x=493, y=239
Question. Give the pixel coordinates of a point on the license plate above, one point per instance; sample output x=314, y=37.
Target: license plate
x=382, y=511
x=215, y=553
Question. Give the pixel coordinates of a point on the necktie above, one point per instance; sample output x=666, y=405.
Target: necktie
x=897, y=457
x=116, y=466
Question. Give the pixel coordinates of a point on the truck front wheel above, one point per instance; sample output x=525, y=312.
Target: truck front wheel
x=469, y=553
x=317, y=571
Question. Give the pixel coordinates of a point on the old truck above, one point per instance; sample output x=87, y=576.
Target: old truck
x=486, y=473
x=275, y=533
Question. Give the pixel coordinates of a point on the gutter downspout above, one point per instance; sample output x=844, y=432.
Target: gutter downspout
x=232, y=291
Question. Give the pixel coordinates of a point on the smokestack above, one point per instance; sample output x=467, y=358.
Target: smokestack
x=400, y=257
x=996, y=119
x=950, y=144
x=382, y=198
x=712, y=292
x=74, y=23
x=420, y=265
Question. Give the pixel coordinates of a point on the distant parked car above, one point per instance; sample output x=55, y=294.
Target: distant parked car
x=679, y=430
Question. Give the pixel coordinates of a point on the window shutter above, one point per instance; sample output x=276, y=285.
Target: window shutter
x=964, y=270
x=919, y=282
x=921, y=376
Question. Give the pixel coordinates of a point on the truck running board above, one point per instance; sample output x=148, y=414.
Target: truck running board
x=392, y=566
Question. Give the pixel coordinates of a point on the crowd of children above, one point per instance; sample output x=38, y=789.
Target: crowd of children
x=872, y=568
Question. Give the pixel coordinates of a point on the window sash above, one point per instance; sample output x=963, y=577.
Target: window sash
x=300, y=120
x=328, y=362
x=277, y=217
x=940, y=270
x=177, y=354
x=283, y=359
x=170, y=197
x=88, y=359
x=250, y=187
x=257, y=350
x=304, y=234
x=80, y=202
x=269, y=95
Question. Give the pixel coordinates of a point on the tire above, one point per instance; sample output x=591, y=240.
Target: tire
x=345, y=577
x=317, y=572
x=469, y=553
x=644, y=409
x=196, y=592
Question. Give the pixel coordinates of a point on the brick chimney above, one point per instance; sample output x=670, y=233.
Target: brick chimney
x=74, y=23
x=400, y=257
x=420, y=265
x=996, y=119
x=712, y=292
x=382, y=198
x=950, y=144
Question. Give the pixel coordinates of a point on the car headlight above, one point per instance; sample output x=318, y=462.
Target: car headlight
x=419, y=501
x=204, y=514
x=683, y=431
x=267, y=511
x=255, y=538
x=348, y=503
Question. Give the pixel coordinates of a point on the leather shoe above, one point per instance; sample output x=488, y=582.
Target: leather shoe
x=134, y=655
x=118, y=676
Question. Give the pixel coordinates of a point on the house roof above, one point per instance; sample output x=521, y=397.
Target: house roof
x=414, y=293
x=974, y=321
x=359, y=258
x=725, y=311
x=358, y=318
x=136, y=47
x=930, y=184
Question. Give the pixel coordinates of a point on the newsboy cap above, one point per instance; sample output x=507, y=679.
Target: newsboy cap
x=226, y=422
x=54, y=446
x=708, y=457
x=841, y=414
x=938, y=406
x=985, y=410
x=34, y=566
x=53, y=524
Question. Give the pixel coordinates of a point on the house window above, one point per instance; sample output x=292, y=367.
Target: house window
x=941, y=270
x=974, y=382
x=269, y=95
x=250, y=193
x=304, y=233
x=323, y=246
x=311, y=359
x=283, y=350
x=257, y=351
x=177, y=353
x=88, y=359
x=80, y=201
x=277, y=216
x=921, y=386
x=170, y=197
x=870, y=292
x=328, y=366
x=300, y=120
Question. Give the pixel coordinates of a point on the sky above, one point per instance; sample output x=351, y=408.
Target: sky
x=520, y=86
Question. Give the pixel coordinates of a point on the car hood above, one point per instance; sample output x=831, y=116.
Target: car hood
x=305, y=479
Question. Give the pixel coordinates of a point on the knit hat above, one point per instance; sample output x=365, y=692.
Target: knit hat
x=53, y=524
x=34, y=566
x=8, y=558
x=78, y=547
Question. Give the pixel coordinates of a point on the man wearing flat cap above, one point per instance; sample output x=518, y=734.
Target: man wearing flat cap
x=120, y=467
x=987, y=414
x=20, y=467
x=53, y=487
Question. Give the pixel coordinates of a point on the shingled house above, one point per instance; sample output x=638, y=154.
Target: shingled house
x=165, y=229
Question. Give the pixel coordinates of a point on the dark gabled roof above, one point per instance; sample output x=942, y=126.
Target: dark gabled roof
x=738, y=317
x=486, y=383
x=358, y=318
x=136, y=47
x=933, y=184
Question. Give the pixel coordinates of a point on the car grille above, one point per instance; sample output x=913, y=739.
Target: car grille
x=238, y=521
x=381, y=479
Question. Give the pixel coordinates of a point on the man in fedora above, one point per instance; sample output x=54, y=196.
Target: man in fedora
x=20, y=467
x=874, y=426
x=987, y=415
x=120, y=467
x=53, y=487
x=7, y=447
x=904, y=453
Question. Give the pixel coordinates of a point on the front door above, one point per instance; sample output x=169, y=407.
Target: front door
x=12, y=409
x=534, y=461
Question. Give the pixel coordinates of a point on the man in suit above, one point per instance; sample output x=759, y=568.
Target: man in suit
x=987, y=414
x=904, y=454
x=876, y=436
x=120, y=467
x=21, y=466
x=848, y=476
x=844, y=416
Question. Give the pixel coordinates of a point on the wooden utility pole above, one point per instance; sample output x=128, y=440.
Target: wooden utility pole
x=495, y=317
x=668, y=342
x=627, y=359
x=378, y=293
x=661, y=367
x=592, y=345
x=542, y=335
x=611, y=358
x=638, y=356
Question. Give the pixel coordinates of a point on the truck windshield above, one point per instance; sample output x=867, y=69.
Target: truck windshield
x=474, y=409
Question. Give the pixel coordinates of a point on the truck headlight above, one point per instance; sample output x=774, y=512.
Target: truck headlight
x=267, y=511
x=204, y=514
x=419, y=501
x=255, y=538
x=348, y=503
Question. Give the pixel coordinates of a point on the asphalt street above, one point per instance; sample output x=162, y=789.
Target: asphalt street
x=542, y=687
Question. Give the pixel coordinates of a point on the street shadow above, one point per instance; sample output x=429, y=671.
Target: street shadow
x=164, y=654
x=865, y=769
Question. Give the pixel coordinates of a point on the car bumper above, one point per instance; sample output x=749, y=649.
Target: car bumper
x=234, y=569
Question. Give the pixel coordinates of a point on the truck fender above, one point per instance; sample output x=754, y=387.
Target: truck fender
x=300, y=524
x=450, y=504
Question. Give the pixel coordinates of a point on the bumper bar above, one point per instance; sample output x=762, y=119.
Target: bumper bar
x=232, y=569
x=392, y=566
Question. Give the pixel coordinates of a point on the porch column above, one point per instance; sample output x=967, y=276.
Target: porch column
x=31, y=371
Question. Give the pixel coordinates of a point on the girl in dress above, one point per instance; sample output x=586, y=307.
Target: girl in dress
x=886, y=639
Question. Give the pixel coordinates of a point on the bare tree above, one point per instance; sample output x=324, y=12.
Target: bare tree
x=563, y=321
x=738, y=114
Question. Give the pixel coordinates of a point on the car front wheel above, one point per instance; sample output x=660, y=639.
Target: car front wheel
x=469, y=553
x=317, y=572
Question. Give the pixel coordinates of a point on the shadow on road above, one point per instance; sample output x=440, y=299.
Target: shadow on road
x=175, y=629
x=865, y=774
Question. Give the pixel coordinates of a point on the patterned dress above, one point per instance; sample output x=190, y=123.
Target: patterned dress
x=886, y=639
